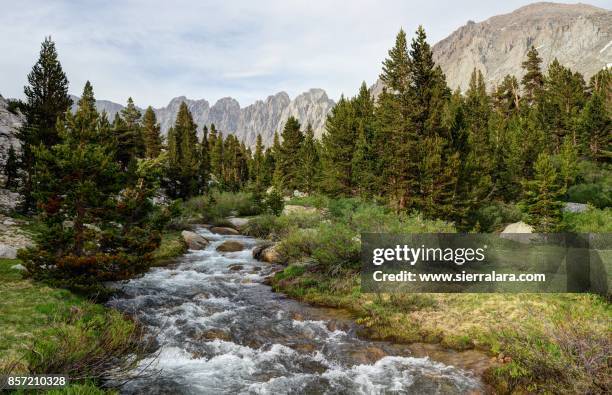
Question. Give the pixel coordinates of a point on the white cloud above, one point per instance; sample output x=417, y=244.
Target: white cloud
x=155, y=50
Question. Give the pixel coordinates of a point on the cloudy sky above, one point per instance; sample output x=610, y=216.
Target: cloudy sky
x=156, y=50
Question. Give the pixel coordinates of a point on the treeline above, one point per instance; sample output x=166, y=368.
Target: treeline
x=418, y=147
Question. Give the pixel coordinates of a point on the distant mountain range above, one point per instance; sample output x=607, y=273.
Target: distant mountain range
x=263, y=116
x=579, y=35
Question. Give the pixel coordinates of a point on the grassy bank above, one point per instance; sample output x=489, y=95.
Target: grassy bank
x=49, y=330
x=557, y=343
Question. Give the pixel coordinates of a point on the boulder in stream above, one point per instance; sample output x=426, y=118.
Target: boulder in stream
x=267, y=252
x=230, y=246
x=194, y=241
x=237, y=222
x=224, y=231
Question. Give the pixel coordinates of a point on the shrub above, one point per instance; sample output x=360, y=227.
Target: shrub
x=599, y=195
x=590, y=221
x=274, y=203
x=298, y=245
x=493, y=216
x=337, y=247
x=318, y=201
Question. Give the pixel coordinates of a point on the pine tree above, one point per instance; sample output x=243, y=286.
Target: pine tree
x=396, y=68
x=363, y=163
x=204, y=160
x=533, y=80
x=46, y=100
x=309, y=170
x=568, y=161
x=91, y=234
x=259, y=166
x=395, y=137
x=478, y=161
x=564, y=98
x=595, y=125
x=190, y=157
x=542, y=199
x=287, y=167
x=506, y=98
x=338, y=143
x=11, y=168
x=129, y=135
x=217, y=157
x=152, y=134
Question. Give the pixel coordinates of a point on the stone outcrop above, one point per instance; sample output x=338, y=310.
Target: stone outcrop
x=578, y=35
x=263, y=116
x=9, y=125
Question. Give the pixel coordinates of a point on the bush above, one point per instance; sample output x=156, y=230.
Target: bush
x=599, y=195
x=337, y=247
x=495, y=215
x=274, y=203
x=590, y=221
x=318, y=201
x=298, y=245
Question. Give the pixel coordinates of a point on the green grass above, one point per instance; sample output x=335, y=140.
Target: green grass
x=591, y=221
x=172, y=246
x=544, y=343
x=48, y=330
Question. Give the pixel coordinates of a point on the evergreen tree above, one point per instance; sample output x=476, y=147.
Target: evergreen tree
x=287, y=167
x=506, y=98
x=129, y=135
x=216, y=157
x=338, y=144
x=190, y=157
x=309, y=164
x=395, y=138
x=11, y=168
x=152, y=134
x=476, y=152
x=568, y=161
x=183, y=179
x=542, y=199
x=259, y=166
x=595, y=126
x=533, y=80
x=564, y=98
x=396, y=68
x=204, y=160
x=94, y=230
x=46, y=100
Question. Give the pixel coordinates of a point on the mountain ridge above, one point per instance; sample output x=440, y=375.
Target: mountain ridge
x=263, y=116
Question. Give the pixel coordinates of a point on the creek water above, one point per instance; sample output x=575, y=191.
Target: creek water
x=220, y=330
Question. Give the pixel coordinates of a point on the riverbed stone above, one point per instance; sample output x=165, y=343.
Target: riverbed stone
x=267, y=252
x=214, y=334
x=238, y=223
x=220, y=230
x=194, y=241
x=230, y=246
x=236, y=267
x=7, y=251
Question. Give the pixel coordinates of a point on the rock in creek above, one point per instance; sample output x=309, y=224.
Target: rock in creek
x=194, y=241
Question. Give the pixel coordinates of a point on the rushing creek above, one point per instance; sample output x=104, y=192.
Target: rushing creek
x=220, y=330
